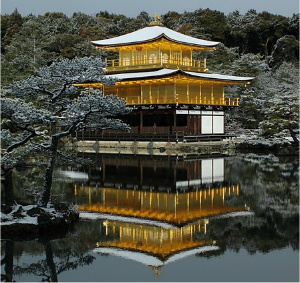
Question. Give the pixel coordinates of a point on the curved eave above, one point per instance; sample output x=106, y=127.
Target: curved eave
x=151, y=260
x=219, y=77
x=120, y=218
x=158, y=219
x=169, y=72
x=162, y=73
x=151, y=40
x=151, y=34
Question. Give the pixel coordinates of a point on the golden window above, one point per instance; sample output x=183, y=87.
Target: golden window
x=152, y=58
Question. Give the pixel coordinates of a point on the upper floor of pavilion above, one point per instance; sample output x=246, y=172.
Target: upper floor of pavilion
x=154, y=47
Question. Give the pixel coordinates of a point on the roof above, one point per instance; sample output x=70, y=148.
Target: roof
x=152, y=260
x=152, y=33
x=120, y=218
x=169, y=72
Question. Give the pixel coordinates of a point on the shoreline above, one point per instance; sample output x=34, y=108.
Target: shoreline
x=155, y=148
x=226, y=146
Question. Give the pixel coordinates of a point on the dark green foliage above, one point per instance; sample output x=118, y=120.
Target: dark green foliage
x=33, y=41
x=10, y=25
x=286, y=49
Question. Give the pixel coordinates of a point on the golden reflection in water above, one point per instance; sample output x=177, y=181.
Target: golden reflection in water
x=176, y=208
x=187, y=213
x=158, y=241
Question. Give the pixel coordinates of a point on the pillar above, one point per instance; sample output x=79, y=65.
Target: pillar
x=141, y=122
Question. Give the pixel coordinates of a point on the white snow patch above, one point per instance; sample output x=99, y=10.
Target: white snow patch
x=152, y=33
x=165, y=72
x=75, y=175
x=290, y=139
x=235, y=214
x=191, y=252
x=139, y=257
x=219, y=76
x=23, y=218
x=9, y=219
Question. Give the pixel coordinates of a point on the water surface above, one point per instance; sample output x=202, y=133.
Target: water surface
x=169, y=218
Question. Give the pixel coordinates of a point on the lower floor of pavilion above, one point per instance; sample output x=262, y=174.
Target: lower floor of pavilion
x=165, y=124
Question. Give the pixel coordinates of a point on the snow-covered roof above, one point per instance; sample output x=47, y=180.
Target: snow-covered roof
x=168, y=72
x=152, y=33
x=152, y=260
x=135, y=220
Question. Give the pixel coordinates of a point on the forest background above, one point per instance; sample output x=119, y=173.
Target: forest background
x=263, y=45
x=43, y=56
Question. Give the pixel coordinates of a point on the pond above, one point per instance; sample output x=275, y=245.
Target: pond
x=186, y=218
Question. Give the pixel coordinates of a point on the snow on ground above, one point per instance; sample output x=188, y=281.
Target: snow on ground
x=75, y=175
x=19, y=215
x=9, y=219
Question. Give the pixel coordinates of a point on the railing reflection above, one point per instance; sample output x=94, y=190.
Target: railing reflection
x=158, y=246
x=176, y=208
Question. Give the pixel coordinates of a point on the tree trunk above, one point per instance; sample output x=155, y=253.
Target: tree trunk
x=296, y=141
x=49, y=173
x=8, y=261
x=8, y=187
x=50, y=261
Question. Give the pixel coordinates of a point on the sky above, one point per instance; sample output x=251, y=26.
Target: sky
x=132, y=8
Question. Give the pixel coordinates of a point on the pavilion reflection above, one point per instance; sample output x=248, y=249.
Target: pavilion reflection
x=175, y=208
x=157, y=211
x=152, y=245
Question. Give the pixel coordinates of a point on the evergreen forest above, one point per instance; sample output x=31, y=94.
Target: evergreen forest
x=263, y=45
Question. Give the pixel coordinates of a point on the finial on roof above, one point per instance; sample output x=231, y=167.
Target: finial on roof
x=156, y=21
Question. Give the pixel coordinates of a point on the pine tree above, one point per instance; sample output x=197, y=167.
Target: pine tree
x=56, y=114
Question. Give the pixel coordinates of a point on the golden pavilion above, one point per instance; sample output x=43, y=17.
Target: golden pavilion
x=171, y=93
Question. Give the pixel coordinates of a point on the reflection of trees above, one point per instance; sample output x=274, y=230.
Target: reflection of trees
x=267, y=181
x=258, y=233
x=49, y=269
x=269, y=185
x=60, y=254
x=57, y=260
x=8, y=261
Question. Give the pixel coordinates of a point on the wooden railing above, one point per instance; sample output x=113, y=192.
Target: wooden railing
x=193, y=65
x=227, y=101
x=157, y=133
x=174, y=133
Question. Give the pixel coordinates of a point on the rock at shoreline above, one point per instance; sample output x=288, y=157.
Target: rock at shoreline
x=29, y=222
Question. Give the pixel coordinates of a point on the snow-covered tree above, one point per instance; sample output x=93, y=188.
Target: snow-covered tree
x=20, y=123
x=271, y=105
x=286, y=49
x=281, y=107
x=63, y=107
x=26, y=51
